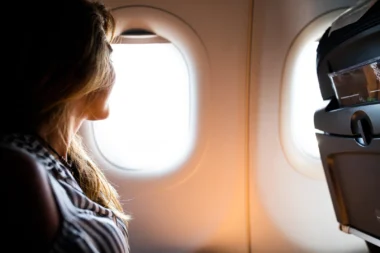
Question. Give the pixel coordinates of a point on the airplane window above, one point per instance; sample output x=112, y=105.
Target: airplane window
x=301, y=97
x=307, y=99
x=149, y=123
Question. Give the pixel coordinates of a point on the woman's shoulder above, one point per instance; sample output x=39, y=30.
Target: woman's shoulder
x=21, y=166
x=18, y=158
x=31, y=212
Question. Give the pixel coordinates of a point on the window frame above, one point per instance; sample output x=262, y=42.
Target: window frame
x=174, y=29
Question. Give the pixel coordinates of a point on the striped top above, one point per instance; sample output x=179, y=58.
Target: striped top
x=86, y=226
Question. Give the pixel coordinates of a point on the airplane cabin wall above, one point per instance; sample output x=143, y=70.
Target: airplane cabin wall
x=290, y=212
x=202, y=206
x=238, y=193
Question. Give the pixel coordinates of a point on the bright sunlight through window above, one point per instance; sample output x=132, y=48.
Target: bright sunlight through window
x=149, y=123
x=307, y=100
x=301, y=98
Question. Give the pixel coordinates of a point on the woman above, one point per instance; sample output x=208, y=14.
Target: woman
x=58, y=74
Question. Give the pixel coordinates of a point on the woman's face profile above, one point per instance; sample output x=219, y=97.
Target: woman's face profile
x=98, y=106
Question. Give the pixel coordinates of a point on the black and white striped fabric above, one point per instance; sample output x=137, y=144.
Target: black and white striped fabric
x=86, y=226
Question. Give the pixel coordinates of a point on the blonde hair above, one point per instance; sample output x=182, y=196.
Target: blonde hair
x=89, y=176
x=92, y=180
x=66, y=57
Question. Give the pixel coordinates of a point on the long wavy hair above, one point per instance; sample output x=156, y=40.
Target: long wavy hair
x=60, y=54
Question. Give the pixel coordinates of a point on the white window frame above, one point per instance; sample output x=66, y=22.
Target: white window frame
x=183, y=36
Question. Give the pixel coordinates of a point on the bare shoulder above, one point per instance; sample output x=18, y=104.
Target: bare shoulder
x=31, y=211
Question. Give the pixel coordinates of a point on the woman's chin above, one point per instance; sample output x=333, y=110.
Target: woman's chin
x=99, y=116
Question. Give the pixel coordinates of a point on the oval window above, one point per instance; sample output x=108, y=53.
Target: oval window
x=149, y=123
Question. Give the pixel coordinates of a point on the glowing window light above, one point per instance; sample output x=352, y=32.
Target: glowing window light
x=149, y=123
x=307, y=100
